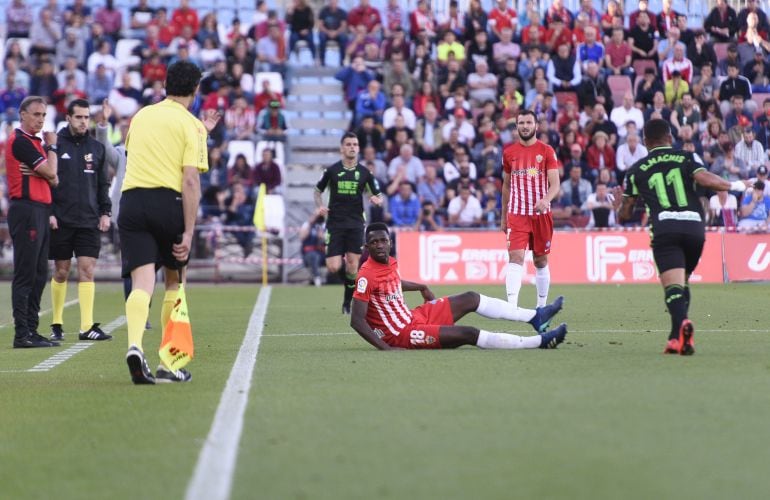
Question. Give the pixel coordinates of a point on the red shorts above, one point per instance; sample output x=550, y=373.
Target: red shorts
x=423, y=331
x=530, y=231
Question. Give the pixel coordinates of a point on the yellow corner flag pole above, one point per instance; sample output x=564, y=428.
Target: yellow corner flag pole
x=259, y=223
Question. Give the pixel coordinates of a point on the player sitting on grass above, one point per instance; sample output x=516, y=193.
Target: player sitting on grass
x=381, y=317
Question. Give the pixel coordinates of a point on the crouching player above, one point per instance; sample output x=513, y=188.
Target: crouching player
x=381, y=317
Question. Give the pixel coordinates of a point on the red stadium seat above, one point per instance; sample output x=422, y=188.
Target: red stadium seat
x=619, y=85
x=563, y=97
x=642, y=64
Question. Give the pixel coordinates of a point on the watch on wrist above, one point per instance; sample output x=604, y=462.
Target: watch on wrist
x=51, y=147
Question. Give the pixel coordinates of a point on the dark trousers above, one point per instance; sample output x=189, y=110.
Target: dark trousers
x=28, y=223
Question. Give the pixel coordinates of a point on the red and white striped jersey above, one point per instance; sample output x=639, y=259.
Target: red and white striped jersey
x=380, y=286
x=527, y=166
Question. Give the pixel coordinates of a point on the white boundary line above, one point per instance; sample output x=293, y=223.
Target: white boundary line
x=66, y=354
x=41, y=313
x=700, y=330
x=213, y=476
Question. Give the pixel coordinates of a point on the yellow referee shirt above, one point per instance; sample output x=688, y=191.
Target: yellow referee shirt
x=162, y=139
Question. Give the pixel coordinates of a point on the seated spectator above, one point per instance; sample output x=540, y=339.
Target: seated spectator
x=393, y=148
x=210, y=54
x=271, y=51
x=10, y=100
x=723, y=210
x=271, y=124
x=332, y=25
x=209, y=30
x=365, y=15
x=598, y=122
x=244, y=55
x=735, y=84
x=678, y=62
x=370, y=104
x=574, y=192
x=397, y=129
x=564, y=71
x=451, y=80
x=240, y=213
x=151, y=44
x=737, y=119
x=533, y=61
x=372, y=59
x=185, y=17
x=369, y=135
x=399, y=109
x=267, y=172
x=755, y=210
x=404, y=206
x=18, y=17
x=397, y=76
x=219, y=100
x=125, y=99
x=312, y=237
x=505, y=48
x=757, y=72
x=70, y=47
x=600, y=154
x=466, y=172
x=301, y=20
x=482, y=85
x=750, y=151
x=658, y=109
x=705, y=86
x=450, y=45
x=480, y=49
x=240, y=121
x=668, y=43
x=428, y=134
x=488, y=153
x=429, y=218
x=406, y=167
x=267, y=95
x=675, y=89
x=617, y=60
x=43, y=82
x=700, y=52
x=591, y=49
x=110, y=18
x=686, y=113
x=154, y=70
x=628, y=153
x=648, y=87
x=728, y=166
x=431, y=187
x=104, y=58
x=599, y=204
x=241, y=173
x=466, y=131
x=491, y=203
x=573, y=158
x=558, y=33
x=378, y=167
x=396, y=46
x=359, y=41
x=627, y=112
x=153, y=94
x=426, y=94
x=722, y=22
x=457, y=101
x=464, y=210
x=644, y=44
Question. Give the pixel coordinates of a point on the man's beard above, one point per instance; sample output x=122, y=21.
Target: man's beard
x=525, y=138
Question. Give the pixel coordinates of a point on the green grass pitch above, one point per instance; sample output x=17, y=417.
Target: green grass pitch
x=604, y=416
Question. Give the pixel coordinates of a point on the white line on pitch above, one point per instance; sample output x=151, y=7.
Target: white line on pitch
x=61, y=357
x=701, y=330
x=213, y=476
x=41, y=313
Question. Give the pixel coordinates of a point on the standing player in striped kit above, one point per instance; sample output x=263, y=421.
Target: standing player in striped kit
x=530, y=183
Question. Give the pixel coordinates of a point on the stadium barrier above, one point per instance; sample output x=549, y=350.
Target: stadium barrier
x=617, y=256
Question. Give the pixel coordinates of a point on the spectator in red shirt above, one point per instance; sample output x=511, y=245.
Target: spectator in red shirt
x=166, y=30
x=421, y=19
x=366, y=15
x=185, y=16
x=643, y=8
x=267, y=172
x=600, y=154
x=262, y=99
x=153, y=70
x=558, y=34
x=501, y=17
x=617, y=58
x=110, y=18
x=557, y=10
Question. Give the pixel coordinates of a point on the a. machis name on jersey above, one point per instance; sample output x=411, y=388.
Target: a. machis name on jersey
x=660, y=158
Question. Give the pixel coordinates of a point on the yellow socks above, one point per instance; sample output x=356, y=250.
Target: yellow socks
x=86, y=293
x=58, y=296
x=168, y=305
x=137, y=309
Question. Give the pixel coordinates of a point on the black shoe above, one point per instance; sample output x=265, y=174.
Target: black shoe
x=164, y=375
x=137, y=366
x=28, y=341
x=95, y=333
x=57, y=334
x=40, y=338
x=553, y=338
x=543, y=315
x=346, y=309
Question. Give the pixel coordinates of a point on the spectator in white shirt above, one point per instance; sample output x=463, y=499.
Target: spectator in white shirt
x=466, y=131
x=406, y=166
x=750, y=150
x=599, y=203
x=464, y=210
x=627, y=154
x=103, y=57
x=398, y=109
x=482, y=84
x=627, y=113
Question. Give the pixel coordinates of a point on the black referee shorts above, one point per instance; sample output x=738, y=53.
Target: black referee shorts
x=149, y=223
x=344, y=240
x=677, y=250
x=77, y=241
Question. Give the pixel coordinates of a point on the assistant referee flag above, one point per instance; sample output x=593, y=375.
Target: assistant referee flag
x=176, y=348
x=259, y=209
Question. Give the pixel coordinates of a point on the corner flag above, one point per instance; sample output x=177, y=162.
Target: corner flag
x=259, y=209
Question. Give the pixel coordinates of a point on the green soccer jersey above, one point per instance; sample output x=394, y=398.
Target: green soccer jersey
x=664, y=179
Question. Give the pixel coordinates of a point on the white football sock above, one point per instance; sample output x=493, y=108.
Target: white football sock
x=513, y=274
x=494, y=340
x=499, y=309
x=542, y=283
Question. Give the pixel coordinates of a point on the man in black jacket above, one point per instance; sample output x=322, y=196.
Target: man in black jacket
x=81, y=209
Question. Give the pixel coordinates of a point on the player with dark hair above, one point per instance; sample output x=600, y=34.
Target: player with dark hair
x=530, y=184
x=347, y=180
x=166, y=152
x=383, y=319
x=665, y=181
x=81, y=209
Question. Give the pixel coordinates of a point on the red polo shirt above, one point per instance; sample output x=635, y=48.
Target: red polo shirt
x=23, y=148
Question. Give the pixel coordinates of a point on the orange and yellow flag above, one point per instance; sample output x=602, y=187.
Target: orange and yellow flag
x=177, y=349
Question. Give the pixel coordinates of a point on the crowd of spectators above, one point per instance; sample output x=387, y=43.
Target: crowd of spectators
x=433, y=98
x=434, y=101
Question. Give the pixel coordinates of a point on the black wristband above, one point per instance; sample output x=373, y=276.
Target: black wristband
x=51, y=147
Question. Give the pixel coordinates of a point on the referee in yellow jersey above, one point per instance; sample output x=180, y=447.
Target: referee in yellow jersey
x=166, y=151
